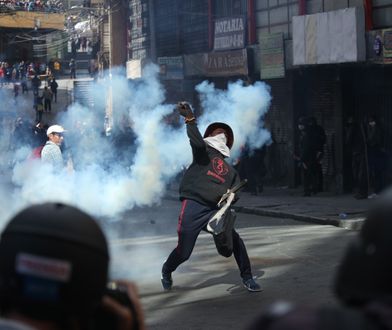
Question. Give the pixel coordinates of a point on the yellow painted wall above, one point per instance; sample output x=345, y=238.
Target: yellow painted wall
x=29, y=19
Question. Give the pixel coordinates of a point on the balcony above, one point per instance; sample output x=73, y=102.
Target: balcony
x=11, y=18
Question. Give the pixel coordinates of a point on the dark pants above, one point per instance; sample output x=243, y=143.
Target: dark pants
x=319, y=171
x=54, y=91
x=192, y=220
x=24, y=87
x=359, y=169
x=38, y=116
x=48, y=105
x=377, y=161
x=310, y=177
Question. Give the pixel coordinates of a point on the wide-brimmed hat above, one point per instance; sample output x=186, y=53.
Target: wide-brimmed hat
x=227, y=128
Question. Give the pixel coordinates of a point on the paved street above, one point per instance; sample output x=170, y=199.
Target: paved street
x=292, y=260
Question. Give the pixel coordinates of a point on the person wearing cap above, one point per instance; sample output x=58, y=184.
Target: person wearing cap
x=51, y=152
x=54, y=261
x=203, y=184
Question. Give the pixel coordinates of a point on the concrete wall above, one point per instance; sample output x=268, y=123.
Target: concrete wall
x=382, y=13
x=275, y=17
x=318, y=6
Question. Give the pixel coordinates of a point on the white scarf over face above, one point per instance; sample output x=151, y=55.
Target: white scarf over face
x=218, y=142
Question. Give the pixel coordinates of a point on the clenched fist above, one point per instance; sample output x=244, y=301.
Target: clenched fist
x=185, y=110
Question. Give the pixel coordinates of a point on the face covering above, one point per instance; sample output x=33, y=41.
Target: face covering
x=218, y=142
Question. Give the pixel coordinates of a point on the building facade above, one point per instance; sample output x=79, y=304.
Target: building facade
x=329, y=59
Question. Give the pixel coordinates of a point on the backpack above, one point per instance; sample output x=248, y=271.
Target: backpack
x=36, y=153
x=223, y=236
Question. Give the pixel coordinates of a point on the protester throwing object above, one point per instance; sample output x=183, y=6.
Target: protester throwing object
x=204, y=183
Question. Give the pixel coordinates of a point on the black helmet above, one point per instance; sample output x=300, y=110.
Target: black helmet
x=53, y=261
x=366, y=270
x=227, y=128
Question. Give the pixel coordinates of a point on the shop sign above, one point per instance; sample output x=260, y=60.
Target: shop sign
x=374, y=46
x=330, y=37
x=134, y=69
x=379, y=46
x=224, y=64
x=171, y=67
x=387, y=45
x=194, y=64
x=229, y=33
x=272, y=56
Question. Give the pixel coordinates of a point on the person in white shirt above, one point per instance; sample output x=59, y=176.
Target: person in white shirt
x=51, y=152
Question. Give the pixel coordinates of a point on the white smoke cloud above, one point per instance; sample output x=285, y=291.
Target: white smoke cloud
x=241, y=107
x=100, y=183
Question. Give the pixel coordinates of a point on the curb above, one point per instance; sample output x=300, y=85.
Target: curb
x=355, y=224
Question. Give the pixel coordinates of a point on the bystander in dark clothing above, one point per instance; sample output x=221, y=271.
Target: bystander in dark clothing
x=72, y=69
x=53, y=88
x=16, y=91
x=320, y=139
x=39, y=108
x=35, y=84
x=355, y=146
x=74, y=48
x=307, y=156
x=376, y=154
x=39, y=134
x=24, y=85
x=47, y=96
x=22, y=135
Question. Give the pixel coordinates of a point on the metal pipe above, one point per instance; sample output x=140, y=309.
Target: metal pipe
x=368, y=5
x=210, y=25
x=151, y=22
x=302, y=7
x=251, y=22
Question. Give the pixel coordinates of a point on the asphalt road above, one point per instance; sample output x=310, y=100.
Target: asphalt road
x=292, y=261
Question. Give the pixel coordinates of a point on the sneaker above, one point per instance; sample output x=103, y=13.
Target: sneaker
x=251, y=285
x=167, y=281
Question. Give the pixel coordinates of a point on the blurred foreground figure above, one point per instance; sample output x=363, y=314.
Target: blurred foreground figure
x=53, y=274
x=363, y=284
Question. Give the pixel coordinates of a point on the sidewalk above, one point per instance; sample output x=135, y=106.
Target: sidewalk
x=325, y=208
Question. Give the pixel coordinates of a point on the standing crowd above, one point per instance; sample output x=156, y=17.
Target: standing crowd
x=53, y=6
x=365, y=156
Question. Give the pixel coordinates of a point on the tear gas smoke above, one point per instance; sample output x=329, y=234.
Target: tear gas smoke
x=106, y=180
x=241, y=107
